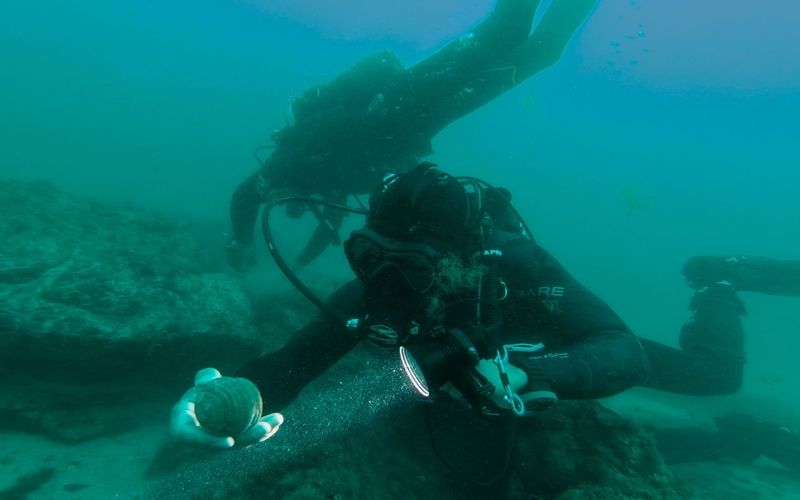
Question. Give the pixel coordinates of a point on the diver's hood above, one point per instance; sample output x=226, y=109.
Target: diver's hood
x=424, y=205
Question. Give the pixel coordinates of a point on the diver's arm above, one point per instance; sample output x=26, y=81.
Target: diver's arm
x=589, y=351
x=244, y=207
x=281, y=375
x=329, y=223
x=683, y=371
x=603, y=365
x=245, y=202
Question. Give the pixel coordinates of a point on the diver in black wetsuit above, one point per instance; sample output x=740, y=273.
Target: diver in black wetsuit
x=447, y=270
x=379, y=116
x=421, y=222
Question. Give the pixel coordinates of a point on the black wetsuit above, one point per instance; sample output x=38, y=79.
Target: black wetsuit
x=589, y=351
x=379, y=116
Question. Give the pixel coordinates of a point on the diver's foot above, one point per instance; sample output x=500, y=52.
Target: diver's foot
x=745, y=273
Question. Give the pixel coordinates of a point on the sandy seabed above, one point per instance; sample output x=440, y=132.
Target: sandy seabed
x=34, y=468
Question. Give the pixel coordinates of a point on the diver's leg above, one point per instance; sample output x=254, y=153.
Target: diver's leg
x=327, y=233
x=711, y=358
x=547, y=42
x=429, y=87
x=249, y=195
x=498, y=35
x=496, y=76
x=746, y=273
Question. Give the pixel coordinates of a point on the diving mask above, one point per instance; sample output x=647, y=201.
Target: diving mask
x=372, y=255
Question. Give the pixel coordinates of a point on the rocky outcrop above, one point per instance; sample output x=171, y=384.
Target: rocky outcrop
x=102, y=305
x=583, y=450
x=575, y=451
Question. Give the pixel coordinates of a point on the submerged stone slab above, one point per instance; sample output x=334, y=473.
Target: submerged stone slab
x=112, y=297
x=575, y=451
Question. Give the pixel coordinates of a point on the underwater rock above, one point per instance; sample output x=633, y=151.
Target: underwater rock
x=108, y=299
x=227, y=406
x=575, y=451
x=584, y=450
x=93, y=291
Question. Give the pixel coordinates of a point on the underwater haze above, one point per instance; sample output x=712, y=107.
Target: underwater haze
x=666, y=130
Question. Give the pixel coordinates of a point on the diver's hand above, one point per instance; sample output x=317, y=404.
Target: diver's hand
x=241, y=256
x=516, y=377
x=185, y=427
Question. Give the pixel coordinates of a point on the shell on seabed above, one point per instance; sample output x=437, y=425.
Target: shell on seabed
x=228, y=406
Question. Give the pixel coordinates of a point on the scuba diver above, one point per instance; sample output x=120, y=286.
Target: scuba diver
x=342, y=137
x=449, y=276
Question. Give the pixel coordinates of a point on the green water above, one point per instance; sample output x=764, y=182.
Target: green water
x=664, y=131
